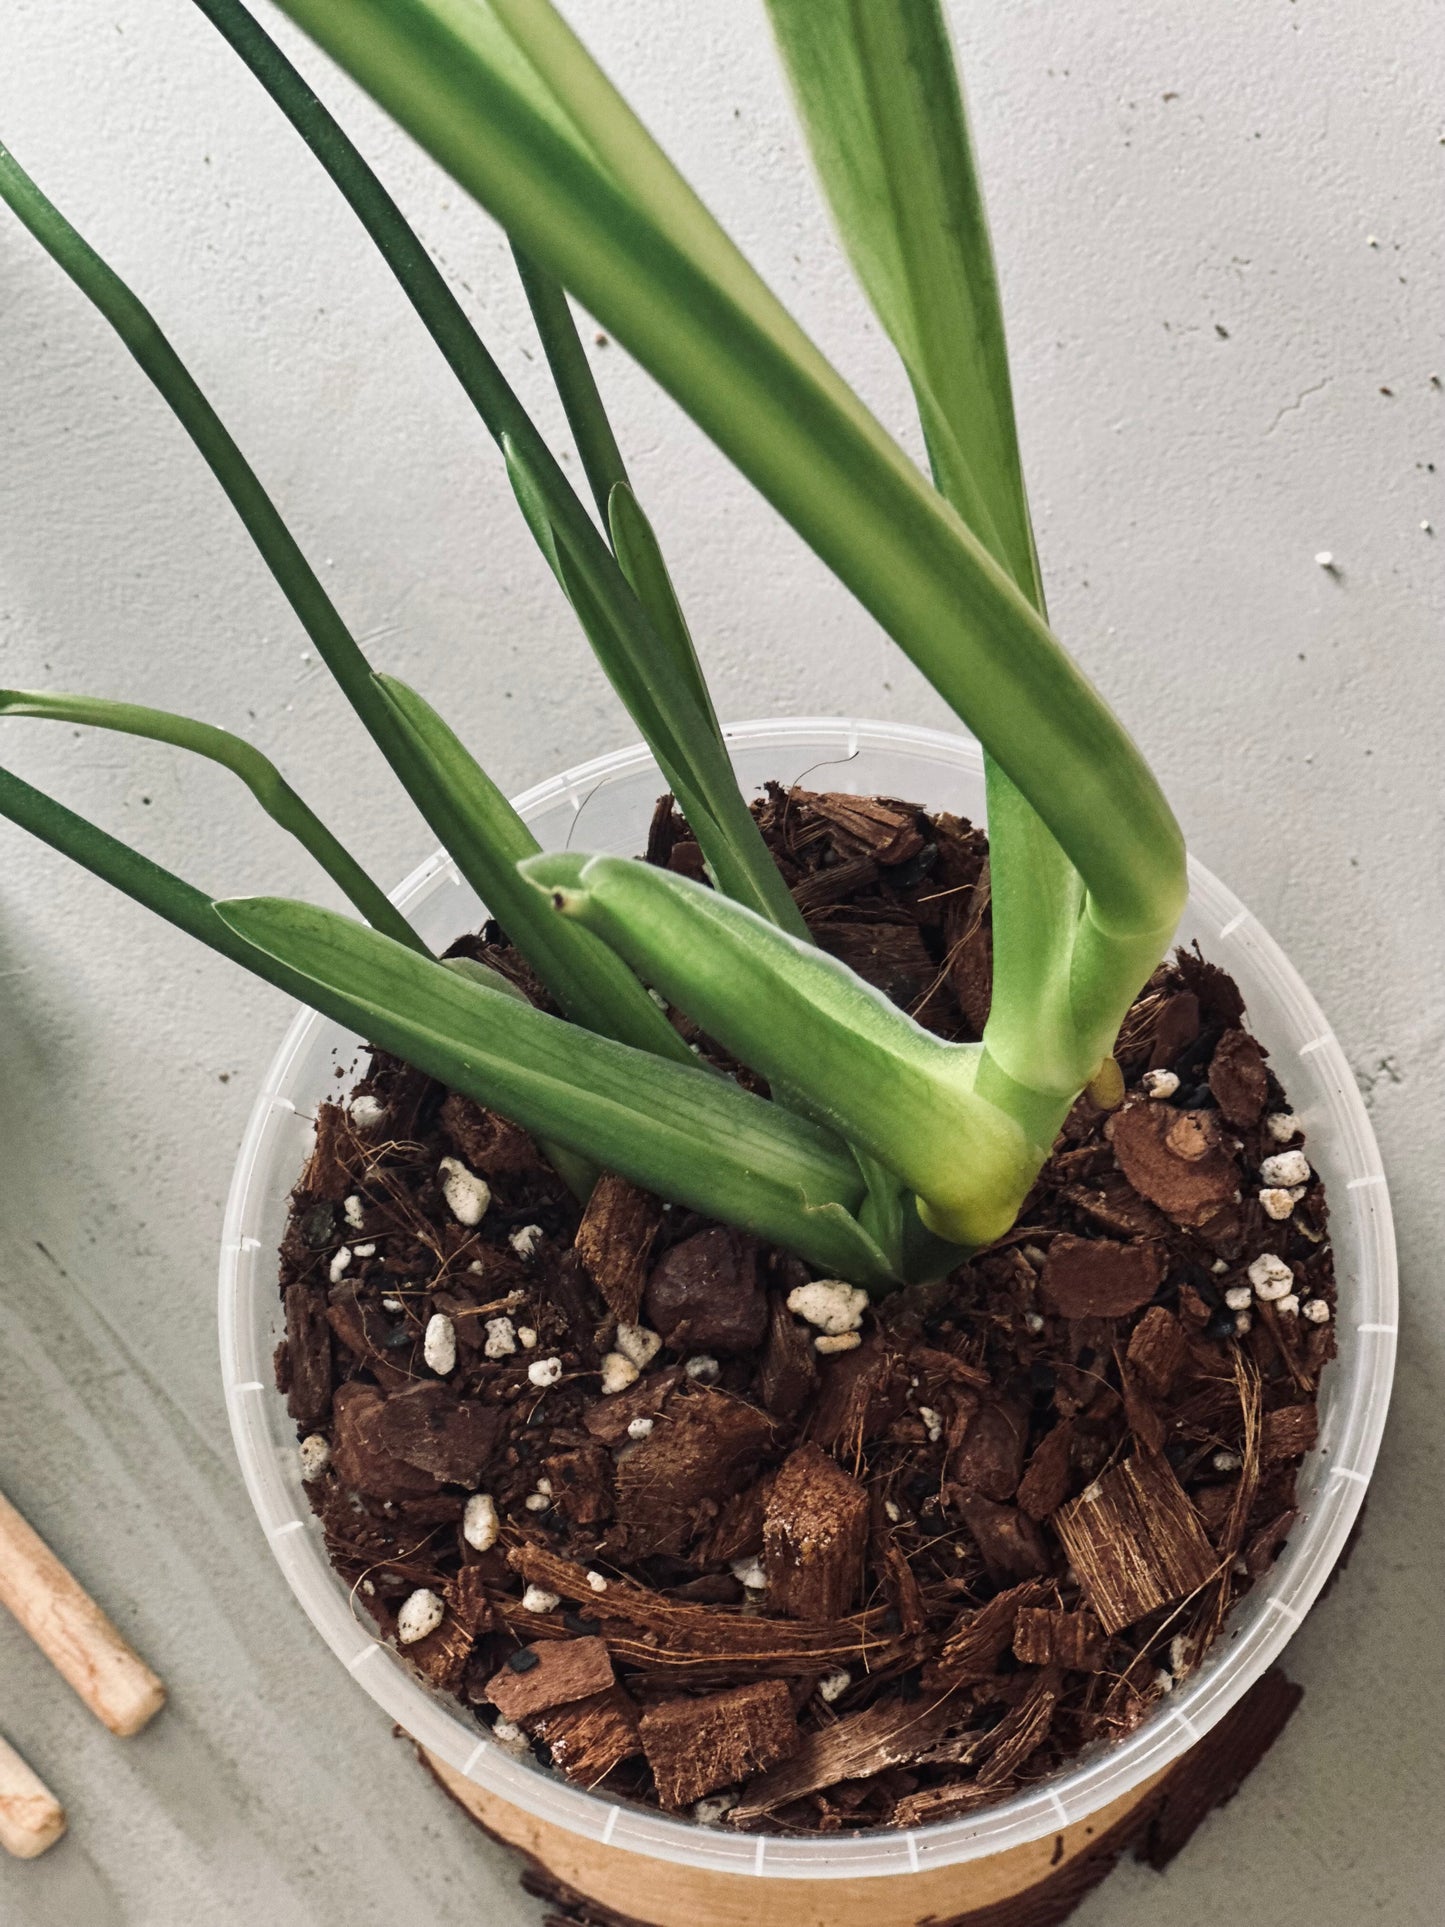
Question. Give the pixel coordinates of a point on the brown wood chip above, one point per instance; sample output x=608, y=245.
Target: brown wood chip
x=788, y=1370
x=706, y=1446
x=1175, y=1029
x=1288, y=1433
x=862, y=1392
x=671, y=1638
x=1238, y=1079
x=1135, y=1541
x=695, y=1746
x=1011, y=1544
x=990, y=1459
x=974, y=1648
x=327, y=1173
x=1157, y=1350
x=1047, y=1636
x=1045, y=1483
x=870, y=825
x=887, y=1734
x=308, y=1354
x=815, y=1531
x=614, y=1242
x=582, y=1484
x=488, y=1143
x=608, y=1418
x=1097, y=1278
x=566, y=1670
x=443, y=1655
x=1176, y=1159
x=1020, y=1733
x=588, y=1737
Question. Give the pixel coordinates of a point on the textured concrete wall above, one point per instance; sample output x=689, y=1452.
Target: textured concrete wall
x=1219, y=236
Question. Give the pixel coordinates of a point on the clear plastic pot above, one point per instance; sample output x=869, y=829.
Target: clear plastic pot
x=605, y=805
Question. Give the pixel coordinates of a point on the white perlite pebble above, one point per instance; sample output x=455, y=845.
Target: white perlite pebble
x=933, y=1423
x=618, y=1372
x=596, y=1582
x=1033, y=1322
x=339, y=1263
x=1226, y=1461
x=829, y=1305
x=525, y=1240
x=639, y=1344
x=1282, y=1126
x=1279, y=1204
x=466, y=1194
x=1239, y=1298
x=501, y=1339
x=480, y=1524
x=537, y=1502
x=1285, y=1168
x=749, y=1573
x=366, y=1112
x=1271, y=1277
x=526, y=1338
x=439, y=1347
x=510, y=1737
x=708, y=1812
x=545, y=1371
x=421, y=1613
x=1316, y=1310
x=1160, y=1083
x=536, y=1599
x=829, y=1342
x=1243, y=1323
x=354, y=1211
x=1288, y=1306
x=894, y=1511
x=315, y=1455
x=640, y=1428
x=363, y=1251
x=392, y=1305
x=702, y=1368
x=833, y=1685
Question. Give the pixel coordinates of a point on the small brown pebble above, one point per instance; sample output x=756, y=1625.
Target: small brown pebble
x=695, y=1746
x=705, y=1295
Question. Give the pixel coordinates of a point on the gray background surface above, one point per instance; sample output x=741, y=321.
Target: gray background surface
x=1219, y=235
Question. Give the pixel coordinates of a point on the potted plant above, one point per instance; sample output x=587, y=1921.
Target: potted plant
x=731, y=1319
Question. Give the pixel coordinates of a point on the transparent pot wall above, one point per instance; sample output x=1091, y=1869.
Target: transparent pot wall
x=606, y=805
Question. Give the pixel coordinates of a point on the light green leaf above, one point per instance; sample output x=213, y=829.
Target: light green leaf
x=487, y=840
x=613, y=221
x=686, y=1135
x=827, y=1042
x=243, y=759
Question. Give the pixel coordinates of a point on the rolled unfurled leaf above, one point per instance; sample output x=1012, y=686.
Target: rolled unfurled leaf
x=825, y=1040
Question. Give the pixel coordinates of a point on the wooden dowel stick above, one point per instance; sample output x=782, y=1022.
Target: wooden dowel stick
x=72, y=1631
x=31, y=1818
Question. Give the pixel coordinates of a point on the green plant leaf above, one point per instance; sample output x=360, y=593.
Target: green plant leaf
x=655, y=672
x=243, y=759
x=828, y=1043
x=686, y=1135
x=488, y=839
x=613, y=221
